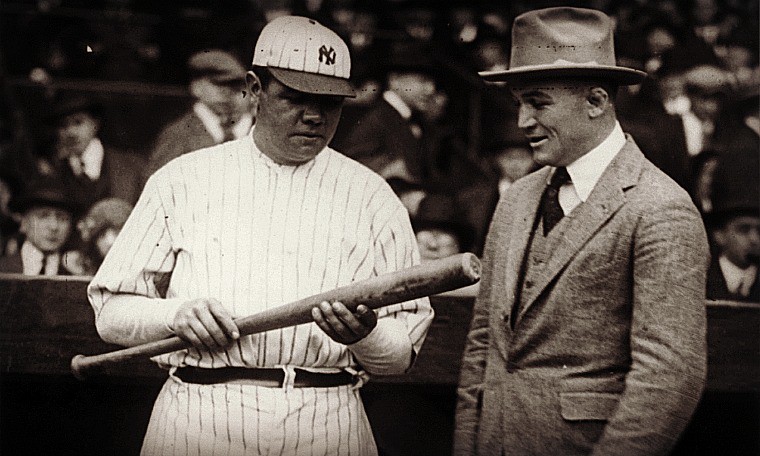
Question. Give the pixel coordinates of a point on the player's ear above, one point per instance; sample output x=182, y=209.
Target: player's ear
x=253, y=89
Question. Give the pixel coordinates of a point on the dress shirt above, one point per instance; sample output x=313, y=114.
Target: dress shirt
x=398, y=104
x=586, y=171
x=738, y=281
x=91, y=160
x=214, y=126
x=33, y=258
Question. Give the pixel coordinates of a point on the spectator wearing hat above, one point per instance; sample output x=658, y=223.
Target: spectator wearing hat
x=89, y=167
x=581, y=342
x=47, y=213
x=390, y=138
x=440, y=228
x=219, y=113
x=98, y=230
x=734, y=224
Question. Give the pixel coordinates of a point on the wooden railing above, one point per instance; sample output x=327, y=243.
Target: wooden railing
x=46, y=321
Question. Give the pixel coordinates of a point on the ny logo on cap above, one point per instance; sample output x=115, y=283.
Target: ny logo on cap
x=328, y=54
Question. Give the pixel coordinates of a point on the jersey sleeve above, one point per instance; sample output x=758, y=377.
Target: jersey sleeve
x=127, y=305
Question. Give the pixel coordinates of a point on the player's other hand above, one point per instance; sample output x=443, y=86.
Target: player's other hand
x=342, y=325
x=205, y=323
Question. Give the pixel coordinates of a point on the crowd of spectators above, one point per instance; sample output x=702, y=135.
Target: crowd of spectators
x=447, y=143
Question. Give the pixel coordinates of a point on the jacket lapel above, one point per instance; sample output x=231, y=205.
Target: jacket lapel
x=585, y=220
x=524, y=217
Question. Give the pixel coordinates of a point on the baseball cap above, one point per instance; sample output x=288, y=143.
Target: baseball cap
x=219, y=66
x=305, y=56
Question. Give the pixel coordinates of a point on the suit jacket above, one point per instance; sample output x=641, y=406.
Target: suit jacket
x=181, y=136
x=607, y=354
x=718, y=289
x=120, y=177
x=381, y=137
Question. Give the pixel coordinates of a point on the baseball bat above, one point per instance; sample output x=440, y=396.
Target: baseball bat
x=415, y=282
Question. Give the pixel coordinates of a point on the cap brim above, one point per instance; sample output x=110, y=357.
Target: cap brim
x=318, y=84
x=620, y=75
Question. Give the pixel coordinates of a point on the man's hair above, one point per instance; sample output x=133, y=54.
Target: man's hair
x=264, y=75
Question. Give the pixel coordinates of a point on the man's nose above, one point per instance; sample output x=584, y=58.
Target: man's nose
x=525, y=118
x=312, y=113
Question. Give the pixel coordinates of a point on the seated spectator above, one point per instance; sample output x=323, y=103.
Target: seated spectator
x=219, y=112
x=80, y=160
x=734, y=224
x=98, y=230
x=46, y=212
x=440, y=228
x=512, y=161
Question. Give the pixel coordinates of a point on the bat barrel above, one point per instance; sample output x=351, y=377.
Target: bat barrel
x=416, y=282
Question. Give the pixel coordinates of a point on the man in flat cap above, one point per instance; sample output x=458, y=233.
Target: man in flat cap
x=219, y=112
x=252, y=224
x=588, y=334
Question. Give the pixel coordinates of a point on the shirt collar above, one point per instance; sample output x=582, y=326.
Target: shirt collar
x=586, y=171
x=32, y=258
x=735, y=275
x=214, y=126
x=92, y=158
x=397, y=103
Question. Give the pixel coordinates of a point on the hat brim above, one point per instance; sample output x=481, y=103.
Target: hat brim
x=318, y=84
x=620, y=75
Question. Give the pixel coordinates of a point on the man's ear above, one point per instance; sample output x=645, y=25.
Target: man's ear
x=598, y=100
x=253, y=89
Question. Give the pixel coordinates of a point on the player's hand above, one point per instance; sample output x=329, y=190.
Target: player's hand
x=341, y=324
x=205, y=323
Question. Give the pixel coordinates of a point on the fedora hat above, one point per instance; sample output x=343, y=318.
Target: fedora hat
x=45, y=192
x=563, y=42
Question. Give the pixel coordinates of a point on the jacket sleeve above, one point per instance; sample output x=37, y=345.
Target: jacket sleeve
x=668, y=333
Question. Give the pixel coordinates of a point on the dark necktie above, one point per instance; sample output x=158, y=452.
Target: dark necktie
x=45, y=259
x=229, y=134
x=551, y=211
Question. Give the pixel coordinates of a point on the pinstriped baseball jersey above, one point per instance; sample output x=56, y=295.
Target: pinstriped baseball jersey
x=233, y=225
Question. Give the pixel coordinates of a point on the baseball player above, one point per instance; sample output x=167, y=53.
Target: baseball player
x=252, y=224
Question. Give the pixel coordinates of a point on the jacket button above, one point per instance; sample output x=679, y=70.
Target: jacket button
x=505, y=317
x=528, y=284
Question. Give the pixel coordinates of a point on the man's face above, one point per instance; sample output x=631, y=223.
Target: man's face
x=416, y=89
x=224, y=100
x=74, y=133
x=46, y=227
x=435, y=244
x=292, y=127
x=739, y=240
x=555, y=119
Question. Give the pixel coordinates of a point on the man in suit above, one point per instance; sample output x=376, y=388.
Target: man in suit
x=219, y=112
x=389, y=139
x=46, y=212
x=91, y=169
x=588, y=333
x=734, y=223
